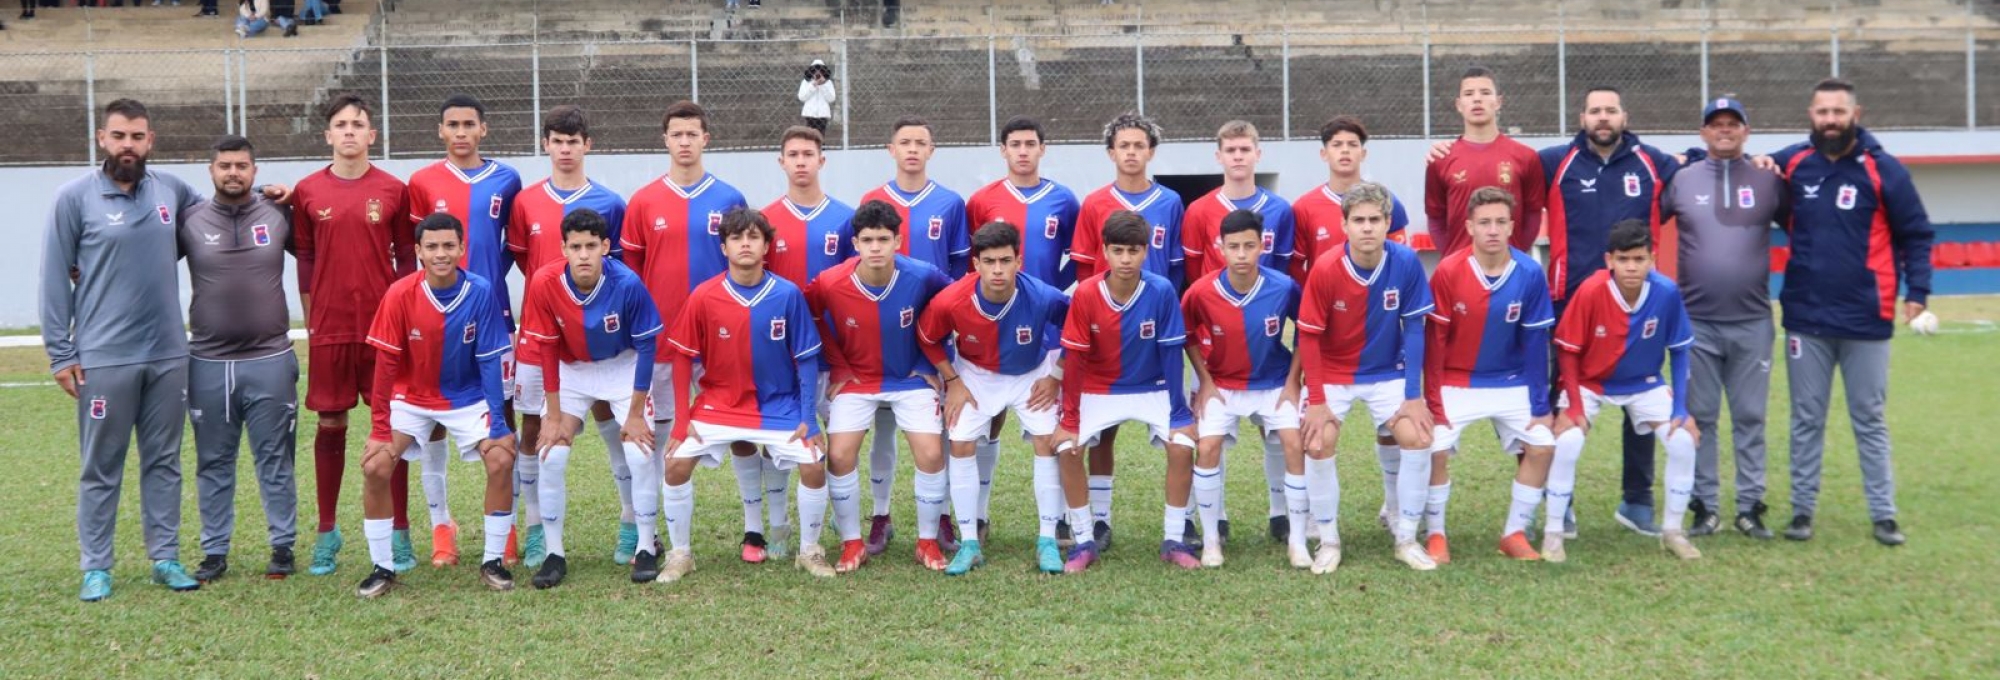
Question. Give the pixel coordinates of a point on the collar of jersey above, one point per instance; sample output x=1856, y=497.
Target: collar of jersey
x=758, y=294
x=689, y=192
x=1473, y=261
x=1104, y=287
x=1645, y=289
x=806, y=215
x=894, y=273
x=549, y=187
x=896, y=194
x=484, y=172
x=979, y=303
x=456, y=300
x=569, y=285
x=1228, y=204
x=1040, y=191
x=1332, y=195
x=1222, y=285
x=1146, y=198
x=1347, y=262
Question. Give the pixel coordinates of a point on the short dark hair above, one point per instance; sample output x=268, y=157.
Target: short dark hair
x=1594, y=89
x=1489, y=196
x=1125, y=228
x=1132, y=120
x=1836, y=85
x=1242, y=219
x=1477, y=71
x=877, y=215
x=684, y=109
x=910, y=121
x=587, y=221
x=741, y=220
x=567, y=119
x=996, y=234
x=1628, y=234
x=1341, y=124
x=341, y=101
x=1020, y=124
x=805, y=133
x=229, y=143
x=463, y=101
x=441, y=221
x=129, y=108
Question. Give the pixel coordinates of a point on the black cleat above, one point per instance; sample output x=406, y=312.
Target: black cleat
x=1800, y=528
x=378, y=582
x=554, y=568
x=646, y=565
x=496, y=576
x=1705, y=521
x=982, y=532
x=1101, y=532
x=1191, y=535
x=1281, y=528
x=282, y=564
x=1063, y=537
x=212, y=568
x=1886, y=533
x=1751, y=522
x=1222, y=527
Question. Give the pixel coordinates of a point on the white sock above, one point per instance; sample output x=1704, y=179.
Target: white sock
x=1274, y=476
x=1680, y=476
x=1173, y=524
x=621, y=474
x=647, y=481
x=1048, y=495
x=932, y=490
x=964, y=476
x=1208, y=492
x=1391, y=458
x=1221, y=506
x=497, y=524
x=844, y=491
x=1522, y=511
x=776, y=483
x=679, y=502
x=1412, y=488
x=1100, y=503
x=987, y=452
x=380, y=550
x=527, y=496
x=882, y=463
x=750, y=485
x=554, y=495
x=1079, y=524
x=1298, y=510
x=812, y=514
x=1323, y=497
x=1562, y=477
x=436, y=493
x=1434, y=505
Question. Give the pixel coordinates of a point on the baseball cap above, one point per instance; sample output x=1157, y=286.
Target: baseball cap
x=1720, y=104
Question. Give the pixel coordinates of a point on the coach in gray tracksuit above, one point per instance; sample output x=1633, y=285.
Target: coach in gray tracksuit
x=243, y=374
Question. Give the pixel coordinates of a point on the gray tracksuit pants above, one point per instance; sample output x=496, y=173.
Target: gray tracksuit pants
x=1864, y=368
x=1731, y=361
x=224, y=399
x=114, y=402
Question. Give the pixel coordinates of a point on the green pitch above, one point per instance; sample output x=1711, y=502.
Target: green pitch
x=1837, y=606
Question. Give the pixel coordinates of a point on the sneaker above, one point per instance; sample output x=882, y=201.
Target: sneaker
x=291, y=31
x=1048, y=557
x=378, y=582
x=1552, y=547
x=444, y=544
x=1409, y=553
x=534, y=548
x=1569, y=523
x=1299, y=556
x=1211, y=556
x=754, y=547
x=778, y=541
x=212, y=567
x=853, y=554
x=812, y=558
x=496, y=576
x=1222, y=529
x=553, y=570
x=628, y=543
x=947, y=534
x=171, y=574
x=1281, y=529
x=1101, y=535
x=1638, y=518
x=281, y=564
x=1751, y=522
x=242, y=33
x=967, y=559
x=96, y=585
x=881, y=530
x=1328, y=558
x=680, y=563
x=1886, y=533
x=1064, y=539
x=1081, y=556
x=983, y=526
x=1706, y=522
x=1676, y=542
x=405, y=554
x=1191, y=536
x=1439, y=549
x=326, y=551
x=1800, y=529
x=1515, y=546
x=1382, y=517
x=511, y=554
x=1176, y=553
x=930, y=555
x=646, y=565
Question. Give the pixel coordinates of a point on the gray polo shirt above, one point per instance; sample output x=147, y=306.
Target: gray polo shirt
x=1724, y=211
x=124, y=305
x=236, y=258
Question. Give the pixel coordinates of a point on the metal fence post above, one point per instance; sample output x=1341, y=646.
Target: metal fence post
x=535, y=82
x=1139, y=58
x=846, y=96
x=243, y=92
x=1562, y=74
x=1704, y=60
x=90, y=104
x=387, y=138
x=1426, y=98
x=1285, y=61
x=694, y=70
x=1835, y=50
x=992, y=91
x=1971, y=73
x=228, y=95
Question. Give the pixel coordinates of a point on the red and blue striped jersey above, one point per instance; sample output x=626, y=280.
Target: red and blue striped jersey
x=483, y=199
x=1484, y=322
x=441, y=336
x=1201, y=231
x=1046, y=216
x=1622, y=346
x=934, y=229
x=1242, y=334
x=672, y=238
x=871, y=333
x=1010, y=337
x=616, y=316
x=1122, y=344
x=749, y=341
x=810, y=240
x=534, y=234
x=1360, y=316
x=1163, y=211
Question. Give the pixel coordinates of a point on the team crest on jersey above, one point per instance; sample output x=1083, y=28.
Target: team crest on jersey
x=1159, y=236
x=1843, y=200
x=1024, y=335
x=442, y=206
x=1146, y=330
x=166, y=216
x=611, y=322
x=832, y=245
x=1506, y=172
x=1745, y=198
x=97, y=407
x=1652, y=326
x=714, y=222
x=936, y=228
x=493, y=208
x=907, y=316
x=260, y=234
x=778, y=329
x=1049, y=227
x=374, y=211
x=1632, y=184
x=1513, y=312
x=1392, y=299
x=1272, y=326
x=471, y=332
x=1270, y=242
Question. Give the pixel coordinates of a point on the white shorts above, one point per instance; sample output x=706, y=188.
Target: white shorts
x=1507, y=407
x=587, y=383
x=996, y=393
x=663, y=390
x=1100, y=412
x=530, y=396
x=822, y=405
x=1220, y=416
x=1383, y=400
x=713, y=448
x=916, y=411
x=467, y=426
x=1643, y=409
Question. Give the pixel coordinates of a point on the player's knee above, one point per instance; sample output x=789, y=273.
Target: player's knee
x=333, y=422
x=377, y=468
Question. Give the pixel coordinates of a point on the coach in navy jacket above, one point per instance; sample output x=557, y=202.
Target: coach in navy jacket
x=1857, y=226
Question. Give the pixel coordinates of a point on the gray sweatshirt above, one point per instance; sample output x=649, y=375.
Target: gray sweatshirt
x=1724, y=211
x=124, y=305
x=236, y=258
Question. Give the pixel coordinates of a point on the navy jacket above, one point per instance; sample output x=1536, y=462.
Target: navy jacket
x=1587, y=194
x=1857, y=226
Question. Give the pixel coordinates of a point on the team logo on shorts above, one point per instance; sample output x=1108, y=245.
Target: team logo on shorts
x=1652, y=326
x=778, y=329
x=907, y=316
x=714, y=222
x=1745, y=198
x=97, y=409
x=1392, y=299
x=1159, y=236
x=1632, y=184
x=1513, y=312
x=260, y=234
x=936, y=228
x=471, y=332
x=1270, y=242
x=1272, y=325
x=374, y=211
x=1049, y=227
x=493, y=208
x=166, y=216
x=832, y=245
x=1024, y=335
x=1146, y=330
x=1843, y=200
x=611, y=322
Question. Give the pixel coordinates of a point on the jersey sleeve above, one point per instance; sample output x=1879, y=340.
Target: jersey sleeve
x=1682, y=332
x=1571, y=331
x=958, y=239
x=1284, y=235
x=305, y=239
x=1417, y=298
x=1076, y=326
x=389, y=328
x=804, y=344
x=632, y=239
x=1088, y=242
x=1441, y=300
x=1313, y=301
x=614, y=220
x=687, y=331
x=1540, y=312
x=493, y=337
x=1399, y=220
x=537, y=320
x=517, y=234
x=1173, y=325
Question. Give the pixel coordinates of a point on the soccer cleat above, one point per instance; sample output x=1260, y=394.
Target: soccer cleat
x=1569, y=523
x=680, y=563
x=378, y=582
x=1751, y=522
x=1382, y=517
x=1800, y=529
x=778, y=541
x=1176, y=553
x=930, y=555
x=881, y=530
x=512, y=553
x=1222, y=528
x=326, y=552
x=1552, y=547
x=1048, y=557
x=1064, y=539
x=646, y=564
x=1211, y=556
x=212, y=567
x=1409, y=553
x=171, y=574
x=983, y=526
x=1887, y=533
x=1191, y=536
x=947, y=534
x=1638, y=518
x=534, y=548
x=966, y=559
x=1299, y=556
x=444, y=544
x=1438, y=548
x=405, y=554
x=553, y=570
x=1676, y=542
x=96, y=585
x=1081, y=556
x=1328, y=558
x=496, y=576
x=281, y=565
x=1101, y=535
x=1515, y=546
x=812, y=558
x=1705, y=521
x=755, y=550
x=852, y=555
x=628, y=543
x=1281, y=528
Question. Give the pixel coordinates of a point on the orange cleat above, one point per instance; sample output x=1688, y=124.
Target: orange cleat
x=1439, y=549
x=513, y=554
x=1516, y=547
x=852, y=555
x=444, y=545
x=930, y=555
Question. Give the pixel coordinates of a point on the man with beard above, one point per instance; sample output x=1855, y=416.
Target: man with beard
x=1858, y=230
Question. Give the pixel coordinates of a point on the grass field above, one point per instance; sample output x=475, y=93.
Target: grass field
x=1839, y=606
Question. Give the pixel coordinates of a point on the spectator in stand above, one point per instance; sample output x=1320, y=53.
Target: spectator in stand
x=314, y=13
x=816, y=95
x=208, y=9
x=253, y=16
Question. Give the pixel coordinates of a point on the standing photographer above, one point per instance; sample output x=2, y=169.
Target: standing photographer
x=816, y=93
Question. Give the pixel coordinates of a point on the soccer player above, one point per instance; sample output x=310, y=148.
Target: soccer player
x=354, y=238
x=672, y=238
x=1361, y=338
x=1123, y=339
x=1006, y=326
x=1318, y=214
x=242, y=373
x=1237, y=315
x=596, y=325
x=868, y=308
x=440, y=337
x=1622, y=321
x=480, y=194
x=536, y=239
x=1487, y=360
x=1481, y=157
x=937, y=235
x=1237, y=151
x=753, y=333
x=1046, y=213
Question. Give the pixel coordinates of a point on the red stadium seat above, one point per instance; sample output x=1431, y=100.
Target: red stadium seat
x=1950, y=256
x=1983, y=255
x=1779, y=256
